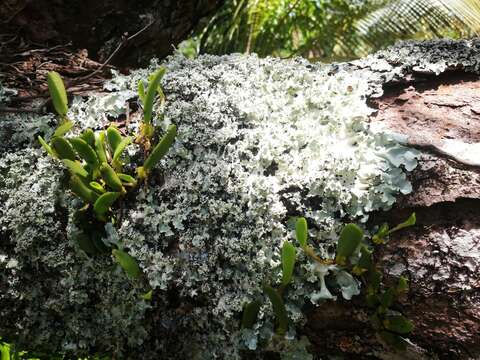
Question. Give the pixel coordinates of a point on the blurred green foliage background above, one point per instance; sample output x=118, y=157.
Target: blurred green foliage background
x=329, y=30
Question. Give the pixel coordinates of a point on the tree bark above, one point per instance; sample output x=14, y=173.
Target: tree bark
x=441, y=256
x=101, y=25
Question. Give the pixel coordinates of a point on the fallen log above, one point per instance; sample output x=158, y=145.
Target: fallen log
x=259, y=141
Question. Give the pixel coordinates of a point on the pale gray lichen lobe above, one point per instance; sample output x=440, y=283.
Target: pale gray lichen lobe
x=259, y=141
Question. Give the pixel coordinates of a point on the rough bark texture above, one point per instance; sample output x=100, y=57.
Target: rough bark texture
x=441, y=255
x=425, y=92
x=98, y=25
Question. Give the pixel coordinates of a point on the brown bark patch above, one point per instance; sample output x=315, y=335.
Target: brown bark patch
x=441, y=108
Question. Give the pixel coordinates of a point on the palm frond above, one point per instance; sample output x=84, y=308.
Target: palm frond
x=404, y=19
x=334, y=29
x=467, y=10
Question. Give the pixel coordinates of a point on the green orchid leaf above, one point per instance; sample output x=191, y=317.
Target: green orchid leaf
x=103, y=204
x=402, y=285
x=147, y=296
x=150, y=95
x=63, y=129
x=141, y=91
x=250, y=314
x=75, y=168
x=97, y=187
x=378, y=238
x=301, y=231
x=57, y=93
x=279, y=309
x=412, y=219
x=111, y=178
x=398, y=324
x=85, y=151
x=387, y=299
x=81, y=190
x=121, y=147
x=288, y=262
x=89, y=137
x=86, y=244
x=127, y=179
x=114, y=138
x=161, y=149
x=100, y=147
x=128, y=263
x=365, y=263
x=349, y=240
x=374, y=281
x=63, y=148
x=46, y=147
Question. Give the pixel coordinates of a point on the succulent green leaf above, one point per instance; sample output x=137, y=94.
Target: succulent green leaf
x=402, y=285
x=141, y=91
x=103, y=203
x=128, y=263
x=288, y=262
x=161, y=148
x=114, y=138
x=121, y=147
x=47, y=147
x=63, y=129
x=301, y=231
x=57, y=93
x=150, y=95
x=378, y=238
x=365, y=263
x=250, y=314
x=374, y=280
x=349, y=240
x=63, y=148
x=412, y=219
x=393, y=340
x=75, y=168
x=127, y=179
x=89, y=137
x=111, y=178
x=97, y=187
x=86, y=243
x=387, y=298
x=147, y=296
x=100, y=147
x=85, y=151
x=81, y=190
x=398, y=324
x=279, y=309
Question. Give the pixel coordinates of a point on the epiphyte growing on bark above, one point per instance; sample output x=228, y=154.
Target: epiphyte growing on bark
x=95, y=162
x=353, y=257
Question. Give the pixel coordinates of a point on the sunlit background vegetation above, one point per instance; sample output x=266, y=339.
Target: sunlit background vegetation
x=330, y=30
x=324, y=30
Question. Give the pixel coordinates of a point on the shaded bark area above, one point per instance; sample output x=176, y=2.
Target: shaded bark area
x=440, y=256
x=100, y=25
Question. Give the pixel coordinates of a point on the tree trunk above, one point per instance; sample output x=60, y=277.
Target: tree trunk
x=259, y=141
x=101, y=25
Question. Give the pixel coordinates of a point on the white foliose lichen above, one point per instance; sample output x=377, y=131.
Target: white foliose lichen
x=259, y=141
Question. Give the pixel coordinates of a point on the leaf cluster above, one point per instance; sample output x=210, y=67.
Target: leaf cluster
x=96, y=162
x=391, y=325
